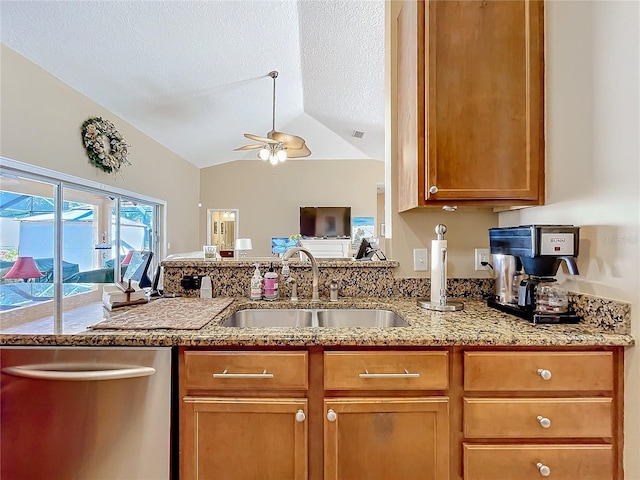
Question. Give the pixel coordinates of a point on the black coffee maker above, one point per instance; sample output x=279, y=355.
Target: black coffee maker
x=540, y=249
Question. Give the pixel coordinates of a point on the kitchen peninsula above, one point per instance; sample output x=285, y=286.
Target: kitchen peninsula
x=463, y=393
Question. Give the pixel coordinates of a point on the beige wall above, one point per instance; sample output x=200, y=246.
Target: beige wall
x=269, y=197
x=40, y=121
x=593, y=156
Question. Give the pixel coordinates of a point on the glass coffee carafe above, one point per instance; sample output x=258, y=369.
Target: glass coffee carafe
x=550, y=297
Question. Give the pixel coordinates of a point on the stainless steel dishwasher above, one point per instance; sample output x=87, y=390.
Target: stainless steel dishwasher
x=85, y=413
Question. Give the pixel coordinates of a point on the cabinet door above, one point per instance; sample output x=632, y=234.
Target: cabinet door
x=470, y=107
x=238, y=439
x=386, y=438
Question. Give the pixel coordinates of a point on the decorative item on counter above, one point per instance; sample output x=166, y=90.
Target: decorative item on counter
x=438, y=299
x=210, y=252
x=206, y=290
x=256, y=284
x=241, y=247
x=271, y=284
x=106, y=148
x=122, y=294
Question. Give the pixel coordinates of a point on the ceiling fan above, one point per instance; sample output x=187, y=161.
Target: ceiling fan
x=277, y=146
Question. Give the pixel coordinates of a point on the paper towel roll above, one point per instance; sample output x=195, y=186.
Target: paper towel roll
x=437, y=268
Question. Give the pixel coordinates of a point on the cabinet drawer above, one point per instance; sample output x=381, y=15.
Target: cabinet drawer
x=525, y=417
x=246, y=370
x=386, y=371
x=538, y=371
x=565, y=462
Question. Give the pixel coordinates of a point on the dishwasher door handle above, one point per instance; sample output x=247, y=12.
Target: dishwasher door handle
x=78, y=371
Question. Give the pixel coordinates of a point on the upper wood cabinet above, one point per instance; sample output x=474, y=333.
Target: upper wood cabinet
x=470, y=103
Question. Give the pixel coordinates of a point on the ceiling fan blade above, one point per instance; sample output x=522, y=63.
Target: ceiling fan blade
x=248, y=147
x=298, y=152
x=260, y=139
x=288, y=140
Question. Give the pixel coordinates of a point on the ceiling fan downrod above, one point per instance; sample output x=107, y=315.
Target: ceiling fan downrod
x=273, y=74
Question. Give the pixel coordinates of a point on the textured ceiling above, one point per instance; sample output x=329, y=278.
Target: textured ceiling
x=194, y=75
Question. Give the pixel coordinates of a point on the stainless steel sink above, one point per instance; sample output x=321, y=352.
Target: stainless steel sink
x=265, y=317
x=360, y=317
x=284, y=317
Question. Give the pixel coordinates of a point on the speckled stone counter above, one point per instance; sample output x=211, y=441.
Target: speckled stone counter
x=476, y=325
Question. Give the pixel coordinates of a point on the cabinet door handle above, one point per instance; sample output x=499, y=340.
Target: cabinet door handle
x=543, y=421
x=226, y=374
x=331, y=415
x=406, y=374
x=545, y=374
x=433, y=189
x=543, y=469
x=300, y=416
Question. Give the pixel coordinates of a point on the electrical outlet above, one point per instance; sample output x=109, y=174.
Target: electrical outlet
x=420, y=259
x=482, y=255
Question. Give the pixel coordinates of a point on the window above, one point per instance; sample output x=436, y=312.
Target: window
x=61, y=239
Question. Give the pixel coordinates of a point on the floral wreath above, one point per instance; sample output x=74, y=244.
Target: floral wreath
x=110, y=157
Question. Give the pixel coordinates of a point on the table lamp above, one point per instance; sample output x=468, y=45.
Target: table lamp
x=25, y=268
x=242, y=245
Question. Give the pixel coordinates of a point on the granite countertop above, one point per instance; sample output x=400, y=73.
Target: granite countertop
x=476, y=325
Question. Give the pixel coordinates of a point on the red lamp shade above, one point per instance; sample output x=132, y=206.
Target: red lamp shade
x=24, y=267
x=127, y=258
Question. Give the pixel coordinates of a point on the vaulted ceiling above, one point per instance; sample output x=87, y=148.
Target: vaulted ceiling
x=193, y=75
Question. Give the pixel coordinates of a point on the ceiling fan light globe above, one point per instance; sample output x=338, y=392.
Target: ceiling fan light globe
x=264, y=154
x=273, y=159
x=282, y=155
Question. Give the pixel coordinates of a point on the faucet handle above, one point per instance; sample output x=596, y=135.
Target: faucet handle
x=294, y=288
x=333, y=290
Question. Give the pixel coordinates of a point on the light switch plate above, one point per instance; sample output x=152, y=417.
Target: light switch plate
x=420, y=259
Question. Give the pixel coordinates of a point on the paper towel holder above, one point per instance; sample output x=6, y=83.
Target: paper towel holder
x=443, y=304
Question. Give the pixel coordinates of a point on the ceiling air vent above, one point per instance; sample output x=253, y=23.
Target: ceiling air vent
x=357, y=134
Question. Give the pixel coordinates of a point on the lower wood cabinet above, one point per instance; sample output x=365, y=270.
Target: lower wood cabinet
x=244, y=438
x=457, y=413
x=544, y=413
x=384, y=438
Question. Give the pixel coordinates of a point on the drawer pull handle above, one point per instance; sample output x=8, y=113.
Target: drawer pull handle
x=433, y=189
x=300, y=416
x=543, y=469
x=226, y=374
x=406, y=374
x=331, y=415
x=545, y=374
x=544, y=421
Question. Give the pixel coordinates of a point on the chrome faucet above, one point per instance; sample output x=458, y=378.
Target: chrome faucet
x=315, y=296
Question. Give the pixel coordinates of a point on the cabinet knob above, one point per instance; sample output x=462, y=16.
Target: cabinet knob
x=331, y=415
x=433, y=189
x=544, y=421
x=543, y=469
x=300, y=416
x=545, y=374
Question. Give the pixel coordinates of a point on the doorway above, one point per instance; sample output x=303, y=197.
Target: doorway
x=222, y=229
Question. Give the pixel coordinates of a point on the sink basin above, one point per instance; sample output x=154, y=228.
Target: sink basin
x=359, y=317
x=265, y=317
x=291, y=317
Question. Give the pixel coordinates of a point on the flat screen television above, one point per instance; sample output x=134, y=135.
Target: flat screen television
x=325, y=222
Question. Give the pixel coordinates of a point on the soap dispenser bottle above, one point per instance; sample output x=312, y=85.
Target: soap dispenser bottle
x=256, y=284
x=271, y=284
